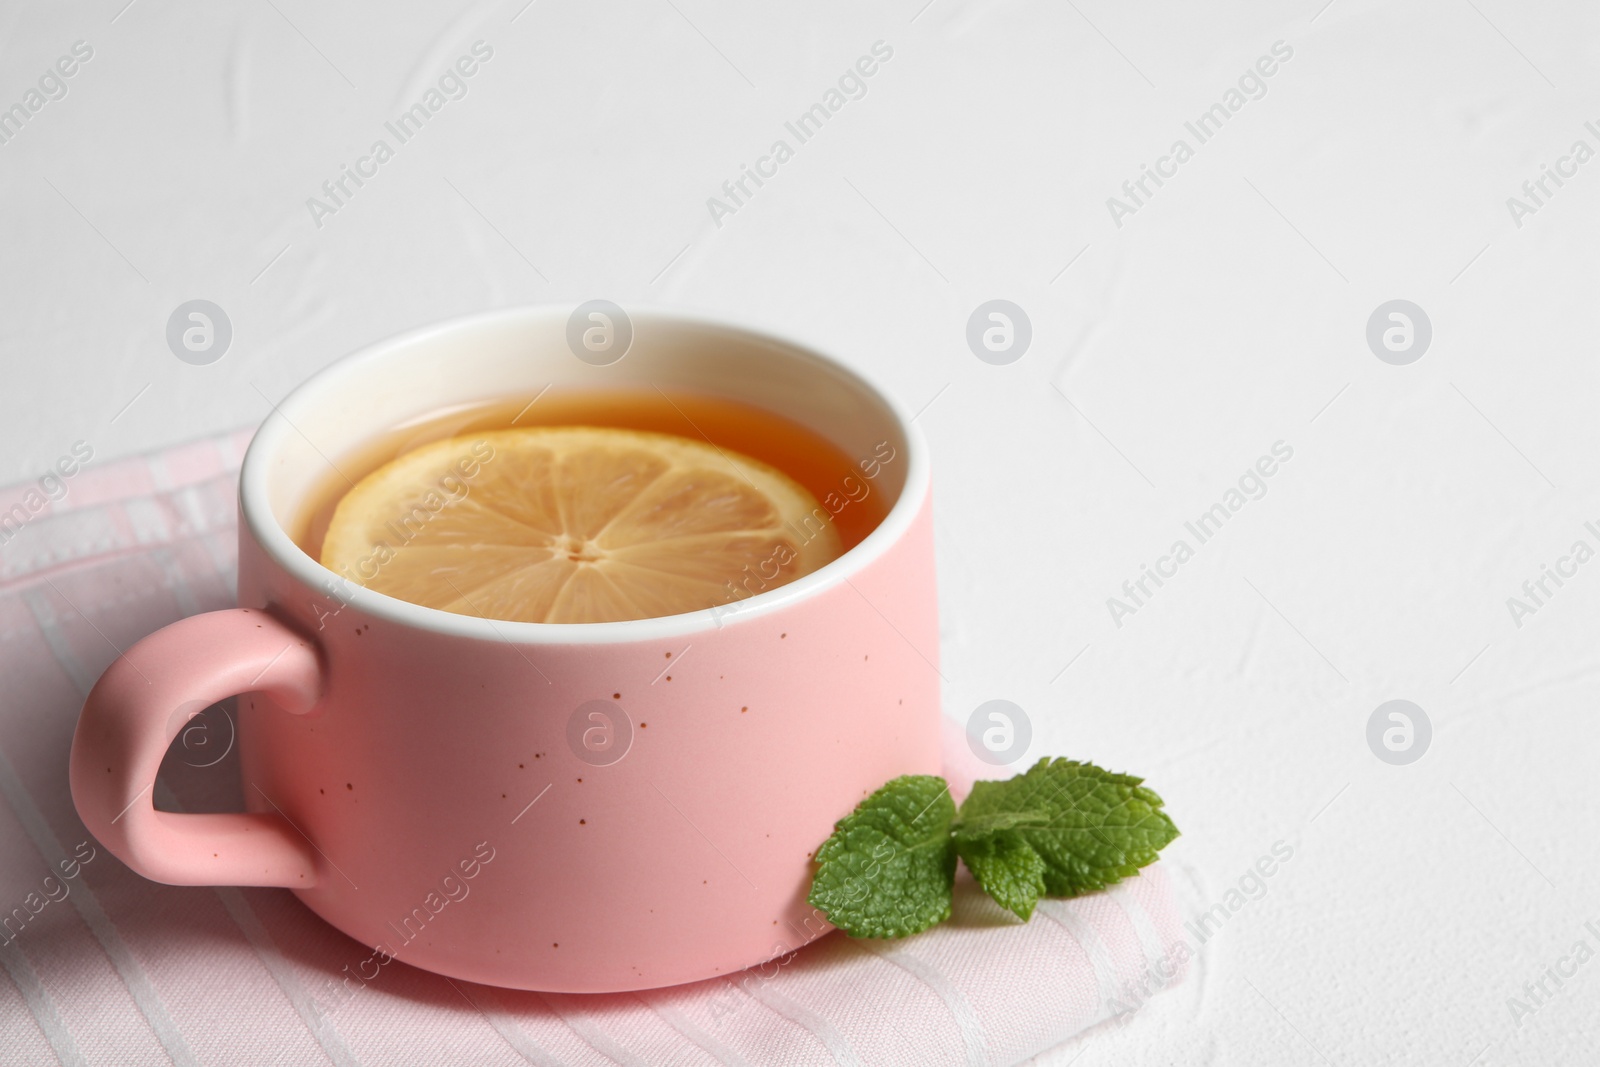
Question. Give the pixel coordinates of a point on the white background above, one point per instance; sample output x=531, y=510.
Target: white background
x=1228, y=313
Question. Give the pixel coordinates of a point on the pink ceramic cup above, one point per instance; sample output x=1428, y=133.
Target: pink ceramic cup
x=472, y=797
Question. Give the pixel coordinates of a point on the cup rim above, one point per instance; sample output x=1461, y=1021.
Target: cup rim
x=257, y=515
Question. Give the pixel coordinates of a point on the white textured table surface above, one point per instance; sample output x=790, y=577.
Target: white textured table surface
x=1176, y=338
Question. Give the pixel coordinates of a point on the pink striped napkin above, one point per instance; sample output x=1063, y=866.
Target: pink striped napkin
x=106, y=967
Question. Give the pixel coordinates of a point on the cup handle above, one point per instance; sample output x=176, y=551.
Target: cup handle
x=137, y=708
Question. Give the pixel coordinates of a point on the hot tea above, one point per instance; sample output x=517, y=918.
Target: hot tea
x=586, y=506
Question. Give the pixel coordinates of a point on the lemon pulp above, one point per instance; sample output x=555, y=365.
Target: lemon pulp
x=576, y=524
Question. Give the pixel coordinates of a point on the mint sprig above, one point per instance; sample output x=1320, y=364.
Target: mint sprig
x=1061, y=829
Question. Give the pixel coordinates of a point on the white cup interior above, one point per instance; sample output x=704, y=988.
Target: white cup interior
x=517, y=353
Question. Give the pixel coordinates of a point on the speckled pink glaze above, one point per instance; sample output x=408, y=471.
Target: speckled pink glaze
x=408, y=775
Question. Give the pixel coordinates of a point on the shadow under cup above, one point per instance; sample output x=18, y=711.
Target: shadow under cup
x=461, y=820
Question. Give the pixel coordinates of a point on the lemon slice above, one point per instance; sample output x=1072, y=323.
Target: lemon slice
x=576, y=524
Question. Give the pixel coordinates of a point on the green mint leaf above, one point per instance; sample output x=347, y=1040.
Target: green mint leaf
x=1089, y=826
x=888, y=867
x=1006, y=866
